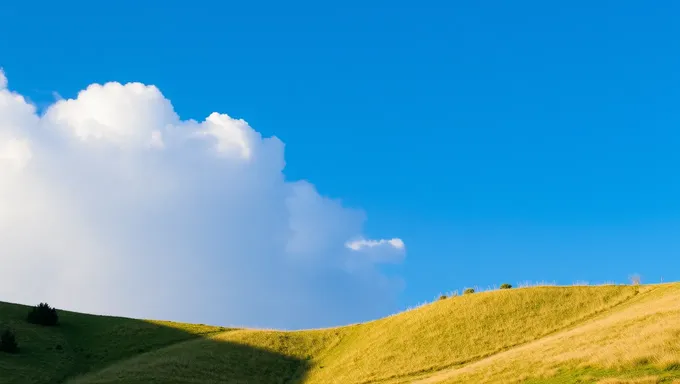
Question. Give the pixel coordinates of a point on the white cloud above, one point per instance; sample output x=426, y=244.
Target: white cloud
x=379, y=251
x=3, y=79
x=15, y=115
x=233, y=136
x=110, y=203
x=358, y=245
x=126, y=115
x=15, y=152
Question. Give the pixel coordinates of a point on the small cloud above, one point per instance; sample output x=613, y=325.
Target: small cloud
x=379, y=251
x=362, y=244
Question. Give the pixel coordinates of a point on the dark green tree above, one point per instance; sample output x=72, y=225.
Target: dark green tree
x=43, y=314
x=8, y=342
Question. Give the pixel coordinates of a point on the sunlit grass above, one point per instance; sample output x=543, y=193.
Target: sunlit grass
x=459, y=330
x=638, y=341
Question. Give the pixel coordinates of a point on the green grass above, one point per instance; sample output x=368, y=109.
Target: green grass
x=599, y=334
x=82, y=343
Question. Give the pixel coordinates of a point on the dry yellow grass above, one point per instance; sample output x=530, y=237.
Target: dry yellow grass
x=641, y=336
x=459, y=330
x=443, y=334
x=588, y=334
x=641, y=380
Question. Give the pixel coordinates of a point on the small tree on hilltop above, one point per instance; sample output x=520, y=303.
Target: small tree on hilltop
x=8, y=342
x=506, y=286
x=43, y=314
x=469, y=291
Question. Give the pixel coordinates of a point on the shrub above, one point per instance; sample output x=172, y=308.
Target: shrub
x=468, y=291
x=506, y=286
x=43, y=314
x=443, y=297
x=8, y=342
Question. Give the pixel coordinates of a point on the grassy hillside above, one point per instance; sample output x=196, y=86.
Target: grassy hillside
x=639, y=343
x=82, y=343
x=459, y=330
x=533, y=335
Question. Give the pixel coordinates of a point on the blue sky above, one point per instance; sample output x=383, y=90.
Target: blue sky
x=502, y=141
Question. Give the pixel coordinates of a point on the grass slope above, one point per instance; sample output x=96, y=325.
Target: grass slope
x=82, y=343
x=638, y=343
x=533, y=335
x=459, y=330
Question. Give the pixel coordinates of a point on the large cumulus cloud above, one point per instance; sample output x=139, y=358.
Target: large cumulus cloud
x=111, y=203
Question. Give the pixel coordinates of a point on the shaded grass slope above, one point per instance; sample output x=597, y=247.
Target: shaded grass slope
x=82, y=343
x=242, y=356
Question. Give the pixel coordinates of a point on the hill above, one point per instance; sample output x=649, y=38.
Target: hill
x=599, y=334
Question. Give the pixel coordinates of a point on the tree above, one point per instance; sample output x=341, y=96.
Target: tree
x=43, y=314
x=8, y=342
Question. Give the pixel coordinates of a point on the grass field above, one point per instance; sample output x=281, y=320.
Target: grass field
x=586, y=334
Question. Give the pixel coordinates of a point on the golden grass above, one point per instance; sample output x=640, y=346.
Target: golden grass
x=446, y=333
x=640, y=336
x=459, y=330
x=590, y=334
